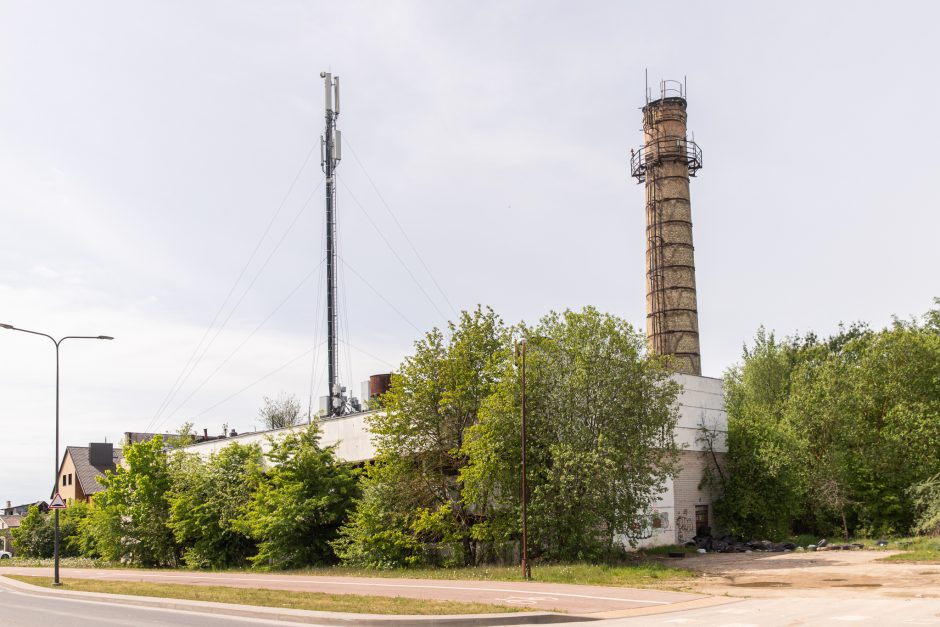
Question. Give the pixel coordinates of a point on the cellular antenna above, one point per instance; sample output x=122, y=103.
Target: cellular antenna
x=330, y=156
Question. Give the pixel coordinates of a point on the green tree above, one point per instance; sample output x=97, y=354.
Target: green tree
x=764, y=483
x=419, y=434
x=207, y=501
x=129, y=518
x=601, y=415
x=35, y=535
x=831, y=435
x=380, y=532
x=74, y=540
x=300, y=504
x=926, y=498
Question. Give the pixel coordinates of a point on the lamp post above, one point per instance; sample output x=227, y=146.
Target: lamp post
x=526, y=571
x=56, y=581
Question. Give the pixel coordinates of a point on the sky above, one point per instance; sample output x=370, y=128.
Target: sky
x=160, y=183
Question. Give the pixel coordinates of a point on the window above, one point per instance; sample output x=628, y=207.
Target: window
x=70, y=478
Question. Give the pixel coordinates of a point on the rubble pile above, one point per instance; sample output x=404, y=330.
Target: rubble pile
x=704, y=542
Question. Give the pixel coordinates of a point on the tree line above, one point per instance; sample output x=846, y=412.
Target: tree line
x=837, y=435
x=443, y=488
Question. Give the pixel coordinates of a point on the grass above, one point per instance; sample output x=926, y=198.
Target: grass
x=65, y=562
x=641, y=573
x=318, y=601
x=915, y=550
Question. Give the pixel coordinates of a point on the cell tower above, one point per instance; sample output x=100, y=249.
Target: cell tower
x=330, y=155
x=665, y=162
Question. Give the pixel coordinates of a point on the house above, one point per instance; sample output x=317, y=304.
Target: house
x=10, y=517
x=83, y=466
x=7, y=524
x=22, y=510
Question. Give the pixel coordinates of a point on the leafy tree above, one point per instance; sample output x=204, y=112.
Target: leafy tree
x=763, y=490
x=129, y=518
x=280, y=412
x=599, y=439
x=926, y=498
x=413, y=509
x=380, y=532
x=35, y=535
x=304, y=498
x=832, y=435
x=207, y=502
x=74, y=539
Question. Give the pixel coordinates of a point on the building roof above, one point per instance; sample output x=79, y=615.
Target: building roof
x=21, y=510
x=11, y=521
x=87, y=474
x=135, y=437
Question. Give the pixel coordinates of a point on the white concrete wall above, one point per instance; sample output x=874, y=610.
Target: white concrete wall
x=701, y=402
x=349, y=433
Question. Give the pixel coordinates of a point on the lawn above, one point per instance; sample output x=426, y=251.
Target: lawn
x=632, y=575
x=318, y=601
x=915, y=550
x=641, y=573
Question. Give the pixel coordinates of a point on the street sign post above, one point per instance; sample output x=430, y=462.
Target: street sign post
x=57, y=502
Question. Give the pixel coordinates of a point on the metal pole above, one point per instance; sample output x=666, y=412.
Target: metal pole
x=526, y=572
x=55, y=544
x=331, y=315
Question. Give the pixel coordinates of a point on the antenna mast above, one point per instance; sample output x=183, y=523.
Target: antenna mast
x=330, y=154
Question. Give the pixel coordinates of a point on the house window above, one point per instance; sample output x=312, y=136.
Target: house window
x=70, y=478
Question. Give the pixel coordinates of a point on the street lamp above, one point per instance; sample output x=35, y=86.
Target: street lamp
x=56, y=581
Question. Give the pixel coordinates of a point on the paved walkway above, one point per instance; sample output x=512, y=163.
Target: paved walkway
x=574, y=599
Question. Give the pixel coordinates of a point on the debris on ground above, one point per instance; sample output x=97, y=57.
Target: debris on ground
x=704, y=542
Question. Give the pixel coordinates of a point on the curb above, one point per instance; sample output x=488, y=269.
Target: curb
x=300, y=616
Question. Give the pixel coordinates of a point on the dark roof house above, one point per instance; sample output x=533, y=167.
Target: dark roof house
x=22, y=510
x=83, y=466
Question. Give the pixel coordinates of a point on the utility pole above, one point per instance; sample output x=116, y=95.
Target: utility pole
x=330, y=154
x=526, y=571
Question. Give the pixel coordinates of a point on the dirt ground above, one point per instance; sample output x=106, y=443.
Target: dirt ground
x=828, y=573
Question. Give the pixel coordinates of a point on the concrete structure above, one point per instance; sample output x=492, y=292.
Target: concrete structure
x=347, y=432
x=81, y=468
x=680, y=509
x=665, y=162
x=702, y=434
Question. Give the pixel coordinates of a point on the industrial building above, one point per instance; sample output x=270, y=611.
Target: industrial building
x=664, y=164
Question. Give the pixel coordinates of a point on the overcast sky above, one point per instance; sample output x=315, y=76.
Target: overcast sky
x=146, y=148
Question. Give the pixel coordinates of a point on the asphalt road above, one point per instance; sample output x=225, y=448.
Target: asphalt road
x=792, y=611
x=26, y=610
x=529, y=595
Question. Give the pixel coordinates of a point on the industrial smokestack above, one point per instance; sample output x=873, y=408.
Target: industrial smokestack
x=664, y=163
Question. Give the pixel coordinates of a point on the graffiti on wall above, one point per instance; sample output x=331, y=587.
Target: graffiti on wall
x=654, y=523
x=685, y=526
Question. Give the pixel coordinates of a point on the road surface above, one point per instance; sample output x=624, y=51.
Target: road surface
x=26, y=610
x=793, y=611
x=530, y=595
